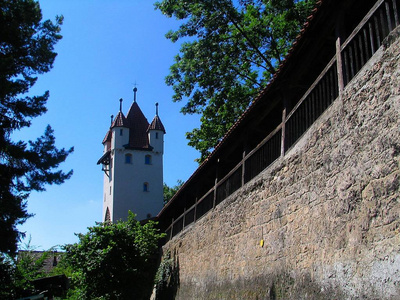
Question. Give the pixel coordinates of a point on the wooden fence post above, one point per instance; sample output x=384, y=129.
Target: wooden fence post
x=215, y=184
x=184, y=218
x=283, y=131
x=172, y=229
x=339, y=63
x=195, y=210
x=284, y=114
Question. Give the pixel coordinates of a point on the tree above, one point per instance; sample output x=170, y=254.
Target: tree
x=7, y=278
x=115, y=261
x=231, y=50
x=169, y=192
x=26, y=50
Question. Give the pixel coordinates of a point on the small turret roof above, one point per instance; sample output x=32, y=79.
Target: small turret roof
x=120, y=121
x=156, y=124
x=107, y=138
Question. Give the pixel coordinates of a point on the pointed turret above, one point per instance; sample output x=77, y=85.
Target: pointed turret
x=120, y=130
x=156, y=133
x=138, y=125
x=120, y=120
x=156, y=124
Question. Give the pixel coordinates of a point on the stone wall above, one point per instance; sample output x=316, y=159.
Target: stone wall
x=328, y=212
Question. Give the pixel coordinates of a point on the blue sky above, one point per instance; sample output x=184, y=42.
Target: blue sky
x=107, y=46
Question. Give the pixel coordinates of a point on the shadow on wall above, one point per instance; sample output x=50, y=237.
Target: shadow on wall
x=285, y=286
x=278, y=286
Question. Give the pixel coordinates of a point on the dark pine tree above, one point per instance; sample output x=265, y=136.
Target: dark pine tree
x=26, y=50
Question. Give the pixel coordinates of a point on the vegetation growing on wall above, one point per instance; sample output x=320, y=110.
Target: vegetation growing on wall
x=167, y=277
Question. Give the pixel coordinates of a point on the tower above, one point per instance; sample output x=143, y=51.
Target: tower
x=132, y=162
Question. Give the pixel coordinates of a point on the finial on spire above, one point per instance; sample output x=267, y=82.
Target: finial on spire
x=120, y=104
x=156, y=108
x=112, y=117
x=134, y=93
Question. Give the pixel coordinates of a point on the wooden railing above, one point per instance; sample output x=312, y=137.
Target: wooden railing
x=368, y=36
x=350, y=57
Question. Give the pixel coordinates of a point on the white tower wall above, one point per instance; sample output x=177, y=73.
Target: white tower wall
x=108, y=189
x=156, y=138
x=120, y=137
x=133, y=179
x=130, y=178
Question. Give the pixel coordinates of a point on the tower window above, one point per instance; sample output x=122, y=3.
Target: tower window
x=145, y=187
x=121, y=132
x=128, y=158
x=157, y=135
x=147, y=159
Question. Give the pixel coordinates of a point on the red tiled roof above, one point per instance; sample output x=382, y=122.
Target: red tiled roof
x=107, y=138
x=137, y=124
x=119, y=121
x=156, y=124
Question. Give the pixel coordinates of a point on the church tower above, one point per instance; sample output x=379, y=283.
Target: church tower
x=133, y=165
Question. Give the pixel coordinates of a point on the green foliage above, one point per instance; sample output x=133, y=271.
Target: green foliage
x=169, y=192
x=7, y=278
x=114, y=261
x=230, y=51
x=26, y=49
x=164, y=272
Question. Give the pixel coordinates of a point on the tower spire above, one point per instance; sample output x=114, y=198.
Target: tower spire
x=120, y=104
x=112, y=117
x=134, y=93
x=156, y=108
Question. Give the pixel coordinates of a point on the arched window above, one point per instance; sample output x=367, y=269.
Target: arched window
x=145, y=187
x=107, y=217
x=128, y=158
x=147, y=159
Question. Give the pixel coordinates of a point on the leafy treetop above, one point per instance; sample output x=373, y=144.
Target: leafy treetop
x=169, y=192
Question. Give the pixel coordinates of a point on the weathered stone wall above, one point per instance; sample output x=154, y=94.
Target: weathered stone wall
x=328, y=211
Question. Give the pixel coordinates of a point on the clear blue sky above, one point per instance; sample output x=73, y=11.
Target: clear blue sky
x=107, y=46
